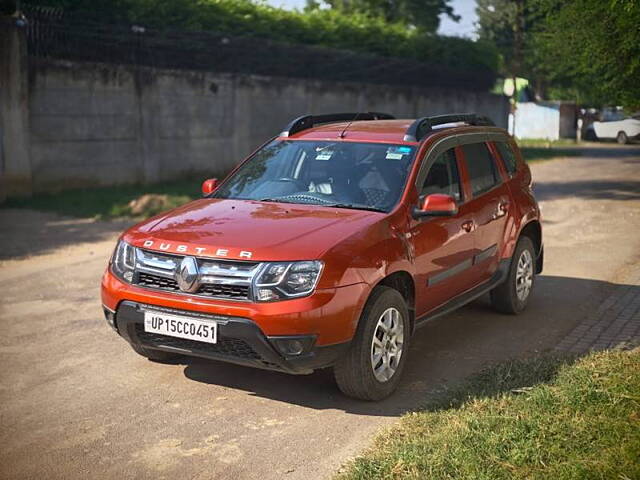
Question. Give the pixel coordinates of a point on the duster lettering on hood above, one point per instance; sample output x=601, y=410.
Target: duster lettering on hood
x=178, y=248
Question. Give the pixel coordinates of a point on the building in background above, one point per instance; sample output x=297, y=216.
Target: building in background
x=547, y=120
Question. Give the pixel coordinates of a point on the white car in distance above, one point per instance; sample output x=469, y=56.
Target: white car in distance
x=623, y=131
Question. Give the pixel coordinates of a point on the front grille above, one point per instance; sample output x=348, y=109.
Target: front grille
x=213, y=290
x=231, y=347
x=224, y=291
x=156, y=281
x=225, y=279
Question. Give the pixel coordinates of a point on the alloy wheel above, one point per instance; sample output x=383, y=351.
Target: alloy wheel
x=524, y=275
x=387, y=344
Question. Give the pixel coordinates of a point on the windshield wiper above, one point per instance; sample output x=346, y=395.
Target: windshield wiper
x=278, y=200
x=354, y=206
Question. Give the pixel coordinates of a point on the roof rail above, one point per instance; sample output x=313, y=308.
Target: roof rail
x=309, y=121
x=419, y=128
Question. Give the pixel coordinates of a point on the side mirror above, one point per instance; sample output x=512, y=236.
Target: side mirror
x=209, y=186
x=436, y=205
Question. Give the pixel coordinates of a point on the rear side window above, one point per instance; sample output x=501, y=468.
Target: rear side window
x=508, y=157
x=481, y=167
x=443, y=176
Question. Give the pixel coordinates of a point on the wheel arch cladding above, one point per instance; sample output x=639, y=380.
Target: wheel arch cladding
x=533, y=230
x=402, y=281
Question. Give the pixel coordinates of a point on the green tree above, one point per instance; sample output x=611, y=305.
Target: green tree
x=508, y=25
x=421, y=14
x=584, y=50
x=590, y=50
x=454, y=58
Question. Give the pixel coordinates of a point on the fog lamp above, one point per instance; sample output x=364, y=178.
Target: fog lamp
x=294, y=346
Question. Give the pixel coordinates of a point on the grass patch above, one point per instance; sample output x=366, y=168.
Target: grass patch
x=536, y=154
x=534, y=419
x=544, y=143
x=534, y=150
x=111, y=202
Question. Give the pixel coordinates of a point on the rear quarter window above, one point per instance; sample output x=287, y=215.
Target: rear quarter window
x=508, y=157
x=483, y=173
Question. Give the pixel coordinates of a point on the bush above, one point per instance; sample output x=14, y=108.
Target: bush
x=326, y=27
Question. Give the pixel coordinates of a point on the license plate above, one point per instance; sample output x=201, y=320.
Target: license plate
x=181, y=327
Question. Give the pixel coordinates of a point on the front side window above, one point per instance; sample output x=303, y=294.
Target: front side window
x=483, y=174
x=443, y=176
x=508, y=157
x=344, y=174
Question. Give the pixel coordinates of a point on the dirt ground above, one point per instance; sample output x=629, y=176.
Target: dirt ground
x=76, y=402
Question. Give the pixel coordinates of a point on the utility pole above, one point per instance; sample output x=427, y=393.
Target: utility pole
x=518, y=53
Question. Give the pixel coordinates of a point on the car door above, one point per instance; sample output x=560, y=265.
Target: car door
x=443, y=246
x=489, y=205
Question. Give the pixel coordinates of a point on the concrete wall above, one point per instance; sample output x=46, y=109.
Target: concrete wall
x=15, y=165
x=94, y=124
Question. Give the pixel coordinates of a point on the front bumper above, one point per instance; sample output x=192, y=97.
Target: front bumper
x=240, y=341
x=331, y=315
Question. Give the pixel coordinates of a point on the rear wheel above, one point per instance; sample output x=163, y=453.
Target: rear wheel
x=155, y=355
x=622, y=138
x=372, y=367
x=513, y=294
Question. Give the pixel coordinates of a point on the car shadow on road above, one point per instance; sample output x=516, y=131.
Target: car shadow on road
x=599, y=189
x=600, y=150
x=443, y=353
x=28, y=232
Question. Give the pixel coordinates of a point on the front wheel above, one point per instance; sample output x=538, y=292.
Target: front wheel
x=512, y=295
x=622, y=138
x=372, y=367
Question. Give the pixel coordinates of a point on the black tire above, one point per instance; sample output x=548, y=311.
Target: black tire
x=155, y=355
x=354, y=372
x=504, y=297
x=590, y=135
x=622, y=138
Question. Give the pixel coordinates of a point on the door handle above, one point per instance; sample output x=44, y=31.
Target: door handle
x=468, y=226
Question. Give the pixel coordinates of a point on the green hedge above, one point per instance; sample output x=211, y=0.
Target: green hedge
x=328, y=28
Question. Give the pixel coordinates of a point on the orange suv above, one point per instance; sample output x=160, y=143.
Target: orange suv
x=330, y=245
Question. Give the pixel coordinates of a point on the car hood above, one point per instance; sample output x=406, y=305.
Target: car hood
x=249, y=230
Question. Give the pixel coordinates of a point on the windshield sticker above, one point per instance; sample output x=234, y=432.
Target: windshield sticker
x=324, y=155
x=396, y=153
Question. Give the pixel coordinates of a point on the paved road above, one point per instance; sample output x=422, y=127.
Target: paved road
x=76, y=402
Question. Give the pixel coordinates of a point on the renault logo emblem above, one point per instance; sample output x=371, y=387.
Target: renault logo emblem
x=187, y=275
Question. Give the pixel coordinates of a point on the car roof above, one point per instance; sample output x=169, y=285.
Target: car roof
x=384, y=131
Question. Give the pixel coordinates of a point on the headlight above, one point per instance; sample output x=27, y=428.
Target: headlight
x=282, y=280
x=123, y=261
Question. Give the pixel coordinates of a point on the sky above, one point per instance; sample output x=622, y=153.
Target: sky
x=465, y=8
x=465, y=28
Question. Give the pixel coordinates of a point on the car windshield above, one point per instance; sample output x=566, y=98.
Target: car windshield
x=369, y=176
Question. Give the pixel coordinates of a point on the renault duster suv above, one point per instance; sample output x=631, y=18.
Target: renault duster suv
x=330, y=245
